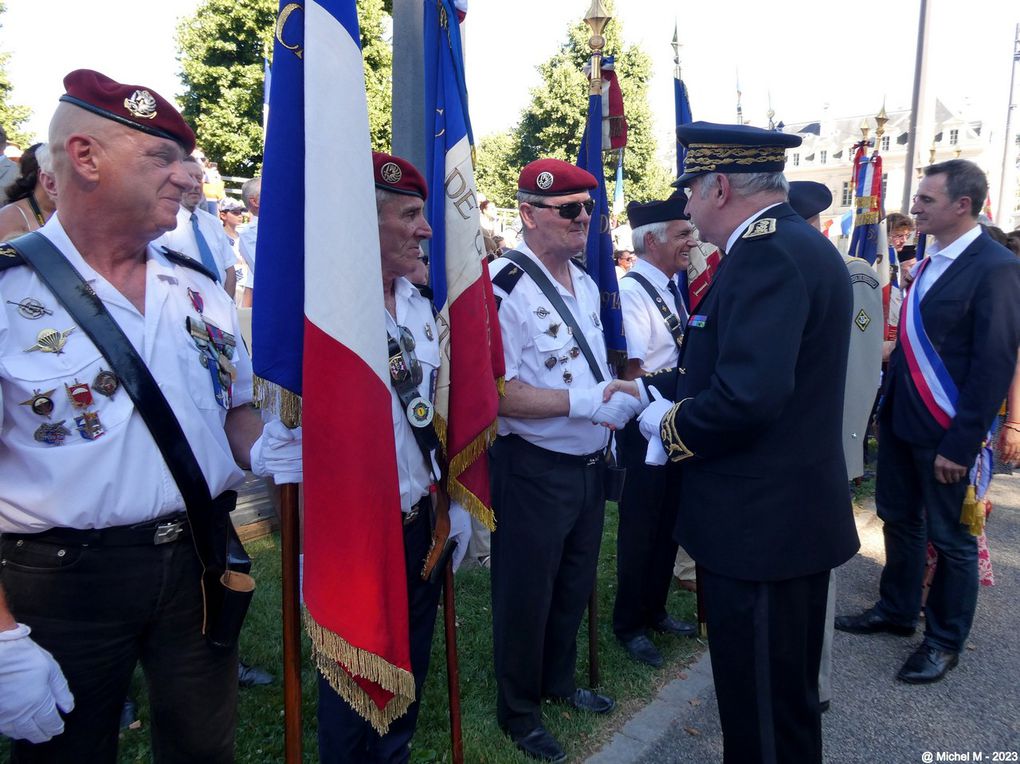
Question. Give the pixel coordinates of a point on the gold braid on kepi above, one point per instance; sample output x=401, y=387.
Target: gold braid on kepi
x=707, y=157
x=676, y=449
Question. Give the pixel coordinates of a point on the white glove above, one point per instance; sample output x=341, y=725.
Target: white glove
x=656, y=455
x=618, y=410
x=460, y=531
x=585, y=401
x=277, y=453
x=32, y=687
x=651, y=418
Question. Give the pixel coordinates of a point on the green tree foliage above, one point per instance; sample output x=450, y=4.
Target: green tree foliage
x=553, y=122
x=12, y=116
x=222, y=47
x=493, y=168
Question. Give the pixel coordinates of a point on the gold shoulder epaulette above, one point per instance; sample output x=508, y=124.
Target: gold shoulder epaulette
x=763, y=227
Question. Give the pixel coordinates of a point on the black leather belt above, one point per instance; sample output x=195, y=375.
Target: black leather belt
x=163, y=530
x=420, y=509
x=584, y=460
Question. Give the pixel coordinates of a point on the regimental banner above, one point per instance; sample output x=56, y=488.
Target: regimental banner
x=471, y=351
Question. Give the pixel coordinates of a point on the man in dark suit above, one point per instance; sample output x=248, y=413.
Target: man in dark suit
x=757, y=430
x=947, y=378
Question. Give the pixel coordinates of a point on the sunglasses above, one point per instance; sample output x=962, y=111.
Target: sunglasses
x=570, y=210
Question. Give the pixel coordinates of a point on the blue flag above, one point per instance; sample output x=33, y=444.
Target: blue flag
x=682, y=108
x=599, y=250
x=278, y=315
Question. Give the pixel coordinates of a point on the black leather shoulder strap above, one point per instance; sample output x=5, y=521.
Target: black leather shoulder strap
x=671, y=319
x=179, y=258
x=89, y=312
x=537, y=275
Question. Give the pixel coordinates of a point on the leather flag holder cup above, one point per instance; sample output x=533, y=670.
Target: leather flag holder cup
x=227, y=587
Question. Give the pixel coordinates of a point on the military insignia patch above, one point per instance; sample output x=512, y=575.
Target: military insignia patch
x=89, y=426
x=52, y=434
x=141, y=104
x=544, y=180
x=553, y=330
x=50, y=341
x=762, y=227
x=428, y=332
x=41, y=403
x=541, y=312
x=105, y=383
x=79, y=394
x=568, y=377
x=862, y=321
x=550, y=362
x=31, y=308
x=697, y=321
x=6, y=250
x=391, y=173
x=420, y=412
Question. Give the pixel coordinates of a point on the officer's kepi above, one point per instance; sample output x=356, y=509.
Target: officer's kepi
x=729, y=149
x=646, y=213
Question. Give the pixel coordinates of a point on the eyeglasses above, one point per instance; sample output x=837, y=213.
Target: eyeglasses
x=570, y=210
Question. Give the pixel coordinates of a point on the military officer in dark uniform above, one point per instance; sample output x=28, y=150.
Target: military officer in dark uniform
x=757, y=429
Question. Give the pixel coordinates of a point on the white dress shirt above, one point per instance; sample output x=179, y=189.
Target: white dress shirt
x=648, y=338
x=119, y=477
x=182, y=239
x=941, y=259
x=540, y=351
x=247, y=238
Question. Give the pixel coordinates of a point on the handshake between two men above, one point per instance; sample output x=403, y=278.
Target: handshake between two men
x=613, y=404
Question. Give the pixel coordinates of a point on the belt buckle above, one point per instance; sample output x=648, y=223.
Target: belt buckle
x=411, y=515
x=168, y=532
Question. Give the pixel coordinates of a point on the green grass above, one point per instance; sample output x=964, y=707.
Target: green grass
x=260, y=727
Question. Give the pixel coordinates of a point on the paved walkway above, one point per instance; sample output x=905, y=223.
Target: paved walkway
x=873, y=717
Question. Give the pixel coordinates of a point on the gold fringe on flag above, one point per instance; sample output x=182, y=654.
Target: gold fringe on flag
x=461, y=461
x=329, y=649
x=277, y=400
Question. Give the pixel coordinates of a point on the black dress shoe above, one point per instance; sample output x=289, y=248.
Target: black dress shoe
x=670, y=625
x=928, y=664
x=871, y=622
x=824, y=706
x=590, y=701
x=252, y=676
x=539, y=744
x=641, y=649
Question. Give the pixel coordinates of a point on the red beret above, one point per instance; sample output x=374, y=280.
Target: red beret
x=131, y=105
x=398, y=175
x=554, y=177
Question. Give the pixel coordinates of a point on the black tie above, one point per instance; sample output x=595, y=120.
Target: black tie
x=681, y=311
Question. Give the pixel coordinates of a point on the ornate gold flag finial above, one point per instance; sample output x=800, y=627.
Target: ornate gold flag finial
x=880, y=119
x=865, y=129
x=597, y=18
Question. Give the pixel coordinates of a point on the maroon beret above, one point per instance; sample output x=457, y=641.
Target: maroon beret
x=131, y=105
x=398, y=175
x=554, y=177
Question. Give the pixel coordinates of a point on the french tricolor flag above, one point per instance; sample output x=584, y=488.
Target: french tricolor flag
x=319, y=333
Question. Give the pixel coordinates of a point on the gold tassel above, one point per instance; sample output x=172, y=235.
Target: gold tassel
x=329, y=649
x=277, y=400
x=973, y=514
x=465, y=458
x=501, y=386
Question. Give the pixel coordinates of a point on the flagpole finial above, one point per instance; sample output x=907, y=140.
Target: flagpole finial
x=597, y=18
x=676, y=49
x=865, y=129
x=880, y=119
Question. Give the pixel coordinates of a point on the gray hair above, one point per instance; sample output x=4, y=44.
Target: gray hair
x=658, y=230
x=748, y=183
x=43, y=158
x=252, y=187
x=523, y=197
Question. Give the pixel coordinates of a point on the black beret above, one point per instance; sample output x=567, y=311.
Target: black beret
x=646, y=213
x=809, y=198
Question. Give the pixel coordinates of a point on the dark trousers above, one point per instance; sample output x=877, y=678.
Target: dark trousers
x=345, y=737
x=549, y=511
x=916, y=509
x=645, y=549
x=100, y=610
x=765, y=638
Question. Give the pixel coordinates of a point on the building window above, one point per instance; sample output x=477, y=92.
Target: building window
x=954, y=137
x=885, y=181
x=848, y=196
x=823, y=156
x=796, y=160
x=885, y=143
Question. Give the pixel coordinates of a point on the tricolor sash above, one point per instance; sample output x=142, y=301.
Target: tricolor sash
x=929, y=374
